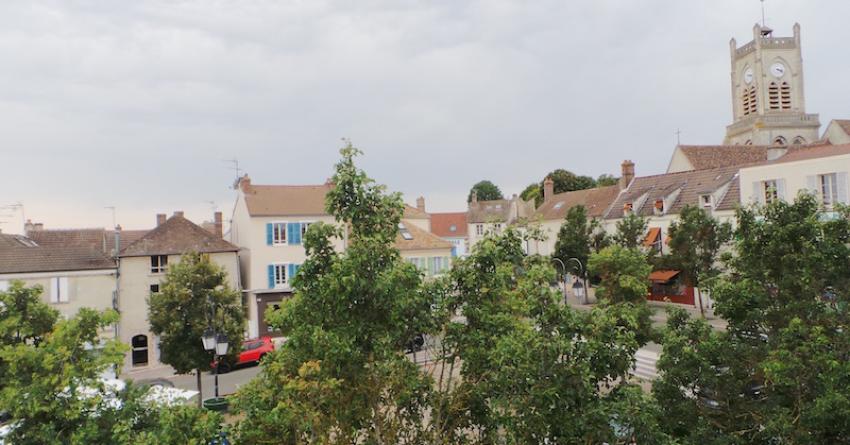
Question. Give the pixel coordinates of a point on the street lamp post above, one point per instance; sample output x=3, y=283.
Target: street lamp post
x=217, y=343
x=582, y=274
x=563, y=277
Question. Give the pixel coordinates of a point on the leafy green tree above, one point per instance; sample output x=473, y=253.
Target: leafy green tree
x=630, y=231
x=342, y=376
x=567, y=181
x=695, y=242
x=779, y=372
x=605, y=180
x=525, y=360
x=194, y=296
x=624, y=274
x=485, y=191
x=24, y=318
x=575, y=237
x=532, y=193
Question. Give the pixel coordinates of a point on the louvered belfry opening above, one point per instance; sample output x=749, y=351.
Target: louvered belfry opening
x=773, y=96
x=750, y=101
x=785, y=95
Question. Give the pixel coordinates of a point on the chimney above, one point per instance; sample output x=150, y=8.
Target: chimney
x=245, y=183
x=178, y=213
x=420, y=203
x=628, y=173
x=29, y=226
x=160, y=219
x=474, y=197
x=39, y=227
x=117, y=240
x=548, y=189
x=217, y=225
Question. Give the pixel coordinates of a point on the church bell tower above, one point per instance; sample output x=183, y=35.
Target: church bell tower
x=768, y=100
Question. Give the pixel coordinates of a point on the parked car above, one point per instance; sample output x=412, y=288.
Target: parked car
x=252, y=352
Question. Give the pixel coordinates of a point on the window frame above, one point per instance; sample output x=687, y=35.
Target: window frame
x=59, y=292
x=159, y=264
x=828, y=180
x=281, y=269
x=479, y=229
x=770, y=190
x=138, y=349
x=279, y=233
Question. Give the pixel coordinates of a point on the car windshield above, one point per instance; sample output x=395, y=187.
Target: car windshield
x=252, y=345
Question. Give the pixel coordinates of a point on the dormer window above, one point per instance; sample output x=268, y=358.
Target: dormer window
x=706, y=202
x=453, y=228
x=659, y=207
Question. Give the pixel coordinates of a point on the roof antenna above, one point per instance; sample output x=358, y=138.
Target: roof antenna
x=763, y=24
x=234, y=165
x=678, y=133
x=765, y=31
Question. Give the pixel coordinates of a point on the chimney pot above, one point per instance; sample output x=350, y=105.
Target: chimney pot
x=39, y=227
x=160, y=219
x=178, y=213
x=420, y=203
x=474, y=196
x=245, y=183
x=548, y=189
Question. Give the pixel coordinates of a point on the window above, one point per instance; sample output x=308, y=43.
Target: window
x=440, y=264
x=770, y=190
x=154, y=288
x=627, y=208
x=159, y=263
x=279, y=275
x=706, y=202
x=659, y=207
x=304, y=227
x=780, y=141
x=139, y=344
x=419, y=262
x=749, y=101
x=773, y=96
x=59, y=290
x=497, y=227
x=828, y=189
x=799, y=140
x=278, y=234
x=404, y=232
x=785, y=96
x=479, y=229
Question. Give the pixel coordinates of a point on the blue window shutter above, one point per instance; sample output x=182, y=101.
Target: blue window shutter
x=271, y=276
x=295, y=269
x=269, y=234
x=454, y=250
x=297, y=233
x=290, y=233
x=290, y=272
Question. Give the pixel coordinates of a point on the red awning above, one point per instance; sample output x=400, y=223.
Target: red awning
x=663, y=276
x=652, y=237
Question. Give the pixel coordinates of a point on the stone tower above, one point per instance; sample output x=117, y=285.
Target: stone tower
x=768, y=100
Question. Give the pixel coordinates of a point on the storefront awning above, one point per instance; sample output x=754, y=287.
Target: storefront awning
x=652, y=237
x=663, y=276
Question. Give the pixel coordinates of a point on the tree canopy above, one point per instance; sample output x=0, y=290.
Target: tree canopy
x=631, y=231
x=779, y=373
x=578, y=237
x=485, y=191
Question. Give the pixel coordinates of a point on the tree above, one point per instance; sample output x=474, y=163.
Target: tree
x=485, y=191
x=605, y=180
x=532, y=193
x=624, y=274
x=342, y=376
x=779, y=372
x=577, y=237
x=525, y=360
x=695, y=241
x=24, y=319
x=55, y=395
x=194, y=297
x=630, y=231
x=567, y=181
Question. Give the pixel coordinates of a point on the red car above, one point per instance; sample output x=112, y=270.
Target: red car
x=252, y=352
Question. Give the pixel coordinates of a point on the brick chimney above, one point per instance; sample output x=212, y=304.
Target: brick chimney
x=178, y=213
x=628, y=173
x=218, y=229
x=160, y=219
x=29, y=226
x=474, y=197
x=420, y=203
x=548, y=189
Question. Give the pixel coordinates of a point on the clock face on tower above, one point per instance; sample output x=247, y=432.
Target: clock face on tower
x=748, y=76
x=777, y=69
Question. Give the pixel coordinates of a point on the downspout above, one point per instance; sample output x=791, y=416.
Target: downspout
x=116, y=296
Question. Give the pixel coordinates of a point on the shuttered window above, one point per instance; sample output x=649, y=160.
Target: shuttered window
x=59, y=290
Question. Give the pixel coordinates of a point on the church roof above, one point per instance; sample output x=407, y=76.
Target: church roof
x=844, y=124
x=704, y=157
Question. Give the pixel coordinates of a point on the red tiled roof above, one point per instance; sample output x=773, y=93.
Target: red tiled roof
x=663, y=276
x=177, y=236
x=704, y=157
x=442, y=224
x=652, y=236
x=595, y=201
x=813, y=152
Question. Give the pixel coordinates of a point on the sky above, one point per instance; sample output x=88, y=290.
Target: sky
x=139, y=105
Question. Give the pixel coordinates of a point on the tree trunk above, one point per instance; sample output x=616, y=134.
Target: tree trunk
x=200, y=388
x=699, y=298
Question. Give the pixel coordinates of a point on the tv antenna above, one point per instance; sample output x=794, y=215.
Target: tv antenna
x=678, y=134
x=763, y=24
x=234, y=165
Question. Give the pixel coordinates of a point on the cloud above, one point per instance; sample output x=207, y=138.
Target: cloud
x=136, y=104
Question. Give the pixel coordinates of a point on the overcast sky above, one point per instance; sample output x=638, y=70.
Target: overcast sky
x=136, y=104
